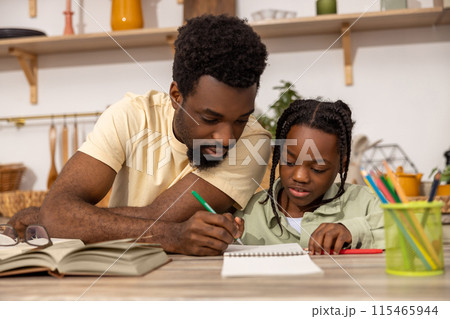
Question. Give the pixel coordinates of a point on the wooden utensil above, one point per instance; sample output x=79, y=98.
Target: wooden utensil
x=75, y=137
x=53, y=174
x=32, y=8
x=65, y=143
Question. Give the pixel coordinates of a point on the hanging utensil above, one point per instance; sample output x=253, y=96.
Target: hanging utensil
x=75, y=136
x=65, y=143
x=53, y=174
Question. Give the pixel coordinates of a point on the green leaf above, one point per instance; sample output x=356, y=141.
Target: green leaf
x=287, y=94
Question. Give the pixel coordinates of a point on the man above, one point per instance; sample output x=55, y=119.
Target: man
x=155, y=149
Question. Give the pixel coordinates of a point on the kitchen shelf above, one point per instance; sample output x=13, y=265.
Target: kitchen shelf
x=27, y=49
x=332, y=23
x=88, y=42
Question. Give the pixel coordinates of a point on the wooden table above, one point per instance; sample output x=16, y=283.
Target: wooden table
x=198, y=278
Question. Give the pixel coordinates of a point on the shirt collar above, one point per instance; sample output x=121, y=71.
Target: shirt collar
x=270, y=216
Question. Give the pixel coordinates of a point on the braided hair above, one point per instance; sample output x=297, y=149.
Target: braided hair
x=330, y=117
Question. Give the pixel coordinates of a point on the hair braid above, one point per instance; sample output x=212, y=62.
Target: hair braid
x=342, y=149
x=270, y=194
x=284, y=125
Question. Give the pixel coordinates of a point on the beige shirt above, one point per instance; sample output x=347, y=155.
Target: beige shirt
x=135, y=138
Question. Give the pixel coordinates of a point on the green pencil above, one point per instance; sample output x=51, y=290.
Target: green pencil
x=388, y=183
x=209, y=209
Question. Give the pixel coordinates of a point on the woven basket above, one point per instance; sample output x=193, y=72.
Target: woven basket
x=445, y=199
x=11, y=202
x=10, y=176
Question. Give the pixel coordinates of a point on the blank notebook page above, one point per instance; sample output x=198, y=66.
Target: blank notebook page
x=282, y=259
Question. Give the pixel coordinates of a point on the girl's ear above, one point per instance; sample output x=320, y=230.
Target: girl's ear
x=175, y=95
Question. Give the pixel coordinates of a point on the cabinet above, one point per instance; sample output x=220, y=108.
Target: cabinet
x=27, y=50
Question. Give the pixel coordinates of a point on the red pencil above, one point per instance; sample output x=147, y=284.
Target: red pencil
x=383, y=188
x=360, y=251
x=357, y=251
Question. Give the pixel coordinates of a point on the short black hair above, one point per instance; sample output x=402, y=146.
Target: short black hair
x=223, y=47
x=330, y=117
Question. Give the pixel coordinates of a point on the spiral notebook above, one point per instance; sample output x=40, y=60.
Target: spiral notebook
x=282, y=259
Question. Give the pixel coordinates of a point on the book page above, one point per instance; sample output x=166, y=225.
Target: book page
x=267, y=261
x=62, y=247
x=27, y=256
x=121, y=257
x=9, y=251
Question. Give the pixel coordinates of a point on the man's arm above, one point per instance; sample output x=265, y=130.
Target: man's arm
x=69, y=211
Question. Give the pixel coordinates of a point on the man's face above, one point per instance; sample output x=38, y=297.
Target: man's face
x=211, y=119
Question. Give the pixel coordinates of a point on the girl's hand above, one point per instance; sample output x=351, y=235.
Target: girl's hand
x=329, y=236
x=238, y=222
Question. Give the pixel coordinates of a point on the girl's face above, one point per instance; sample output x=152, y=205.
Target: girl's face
x=309, y=167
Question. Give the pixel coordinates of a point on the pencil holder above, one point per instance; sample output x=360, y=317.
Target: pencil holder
x=414, y=238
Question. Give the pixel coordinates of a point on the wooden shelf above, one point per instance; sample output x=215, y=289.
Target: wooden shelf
x=322, y=24
x=332, y=23
x=88, y=42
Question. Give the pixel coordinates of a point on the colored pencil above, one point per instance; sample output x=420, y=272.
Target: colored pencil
x=383, y=188
x=397, y=186
x=434, y=186
x=368, y=179
x=356, y=251
x=389, y=185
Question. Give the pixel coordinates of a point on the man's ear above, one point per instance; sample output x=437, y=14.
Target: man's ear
x=175, y=95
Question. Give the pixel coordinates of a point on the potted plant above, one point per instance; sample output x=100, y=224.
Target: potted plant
x=444, y=188
x=287, y=94
x=445, y=175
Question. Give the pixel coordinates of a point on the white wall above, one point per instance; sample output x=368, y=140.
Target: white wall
x=400, y=93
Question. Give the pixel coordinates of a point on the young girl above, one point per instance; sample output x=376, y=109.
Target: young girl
x=304, y=205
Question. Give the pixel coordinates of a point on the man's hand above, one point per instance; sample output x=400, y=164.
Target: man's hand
x=329, y=236
x=23, y=218
x=205, y=234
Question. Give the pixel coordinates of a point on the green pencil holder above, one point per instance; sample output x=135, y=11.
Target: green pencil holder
x=413, y=234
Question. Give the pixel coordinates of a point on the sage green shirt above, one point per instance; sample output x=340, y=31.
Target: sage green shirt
x=358, y=209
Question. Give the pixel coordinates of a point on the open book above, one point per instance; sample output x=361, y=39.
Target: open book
x=282, y=259
x=72, y=257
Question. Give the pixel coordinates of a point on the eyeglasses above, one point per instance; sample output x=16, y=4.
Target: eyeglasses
x=35, y=235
